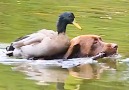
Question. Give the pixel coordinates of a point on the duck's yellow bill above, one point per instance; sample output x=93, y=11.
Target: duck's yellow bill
x=76, y=24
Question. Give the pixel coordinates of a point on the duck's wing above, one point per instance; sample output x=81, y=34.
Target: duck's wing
x=34, y=38
x=48, y=33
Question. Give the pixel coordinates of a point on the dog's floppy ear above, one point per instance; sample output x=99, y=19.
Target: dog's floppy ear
x=86, y=45
x=73, y=43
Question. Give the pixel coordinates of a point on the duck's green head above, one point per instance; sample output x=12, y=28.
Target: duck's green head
x=64, y=19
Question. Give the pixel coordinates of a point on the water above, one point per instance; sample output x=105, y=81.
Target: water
x=108, y=73
x=107, y=18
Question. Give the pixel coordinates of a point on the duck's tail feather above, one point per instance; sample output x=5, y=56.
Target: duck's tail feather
x=10, y=48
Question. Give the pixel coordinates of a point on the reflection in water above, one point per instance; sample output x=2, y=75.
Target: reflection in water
x=87, y=71
x=43, y=75
x=105, y=74
x=47, y=75
x=92, y=71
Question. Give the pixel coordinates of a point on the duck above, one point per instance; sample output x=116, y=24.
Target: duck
x=44, y=42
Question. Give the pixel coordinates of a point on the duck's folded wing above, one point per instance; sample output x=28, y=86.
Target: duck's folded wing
x=31, y=39
x=34, y=38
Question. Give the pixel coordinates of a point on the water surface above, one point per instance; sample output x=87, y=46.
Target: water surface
x=107, y=18
x=108, y=73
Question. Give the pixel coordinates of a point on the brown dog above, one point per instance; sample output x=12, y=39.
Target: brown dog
x=88, y=46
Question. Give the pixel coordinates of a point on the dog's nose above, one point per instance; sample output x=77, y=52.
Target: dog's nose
x=115, y=46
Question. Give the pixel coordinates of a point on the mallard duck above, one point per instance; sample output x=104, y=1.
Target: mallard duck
x=45, y=42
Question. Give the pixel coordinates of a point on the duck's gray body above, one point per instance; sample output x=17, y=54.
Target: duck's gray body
x=42, y=43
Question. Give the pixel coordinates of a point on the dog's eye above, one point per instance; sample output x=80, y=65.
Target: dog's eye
x=100, y=38
x=95, y=40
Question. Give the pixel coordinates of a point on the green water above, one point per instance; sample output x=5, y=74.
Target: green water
x=107, y=18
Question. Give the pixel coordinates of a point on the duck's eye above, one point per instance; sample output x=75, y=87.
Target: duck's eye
x=69, y=16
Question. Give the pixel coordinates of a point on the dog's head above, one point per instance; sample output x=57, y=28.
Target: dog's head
x=94, y=45
x=90, y=45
